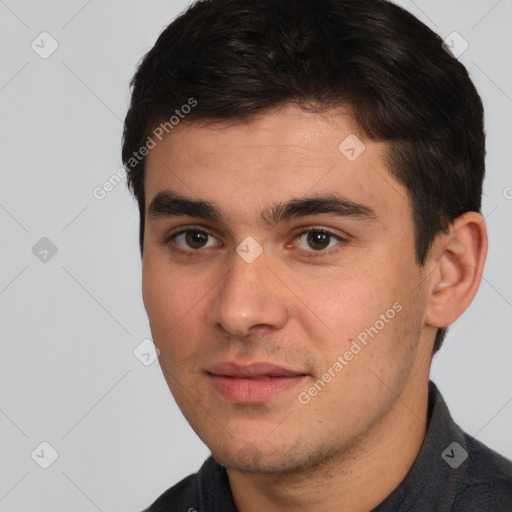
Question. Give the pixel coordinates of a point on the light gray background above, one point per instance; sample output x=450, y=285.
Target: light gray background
x=69, y=325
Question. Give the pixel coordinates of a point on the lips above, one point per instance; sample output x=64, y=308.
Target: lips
x=253, y=370
x=253, y=383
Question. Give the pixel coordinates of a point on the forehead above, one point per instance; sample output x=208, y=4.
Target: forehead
x=287, y=154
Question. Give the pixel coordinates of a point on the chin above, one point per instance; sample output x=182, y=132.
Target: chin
x=250, y=459
x=265, y=459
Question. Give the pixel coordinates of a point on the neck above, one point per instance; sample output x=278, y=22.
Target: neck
x=358, y=479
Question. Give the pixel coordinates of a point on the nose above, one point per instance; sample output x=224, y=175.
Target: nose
x=249, y=297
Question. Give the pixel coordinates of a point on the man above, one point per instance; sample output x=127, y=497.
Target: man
x=309, y=177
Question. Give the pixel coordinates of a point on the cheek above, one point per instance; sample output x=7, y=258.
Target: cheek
x=166, y=298
x=175, y=303
x=344, y=302
x=157, y=296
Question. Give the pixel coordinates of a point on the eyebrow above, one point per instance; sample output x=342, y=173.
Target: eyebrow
x=168, y=204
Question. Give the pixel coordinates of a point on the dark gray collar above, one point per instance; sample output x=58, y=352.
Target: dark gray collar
x=439, y=470
x=453, y=472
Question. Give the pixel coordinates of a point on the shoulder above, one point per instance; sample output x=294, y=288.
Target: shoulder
x=181, y=495
x=488, y=480
x=207, y=490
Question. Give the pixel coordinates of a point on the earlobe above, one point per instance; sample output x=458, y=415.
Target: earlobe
x=458, y=259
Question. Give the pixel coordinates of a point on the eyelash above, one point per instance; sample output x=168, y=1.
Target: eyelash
x=312, y=254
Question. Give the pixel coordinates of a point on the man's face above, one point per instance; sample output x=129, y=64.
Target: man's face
x=326, y=289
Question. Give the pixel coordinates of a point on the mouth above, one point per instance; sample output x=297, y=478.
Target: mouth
x=253, y=383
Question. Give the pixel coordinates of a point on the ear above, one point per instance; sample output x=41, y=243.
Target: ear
x=457, y=261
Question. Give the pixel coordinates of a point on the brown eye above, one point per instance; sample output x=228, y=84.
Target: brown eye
x=196, y=239
x=318, y=240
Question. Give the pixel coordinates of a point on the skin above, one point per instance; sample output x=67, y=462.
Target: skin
x=300, y=307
